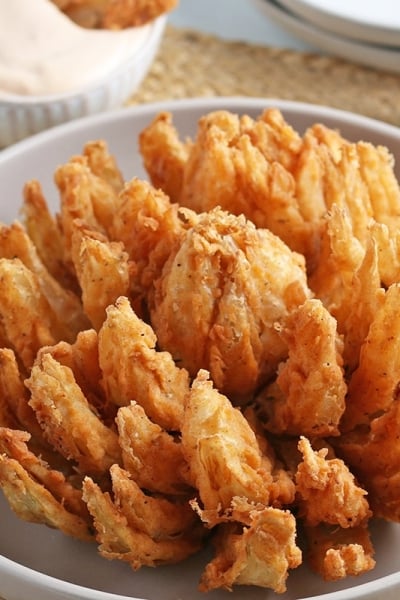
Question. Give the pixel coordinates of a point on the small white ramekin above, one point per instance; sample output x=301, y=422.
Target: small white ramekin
x=22, y=116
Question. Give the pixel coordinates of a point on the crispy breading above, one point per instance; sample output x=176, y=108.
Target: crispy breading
x=164, y=154
x=157, y=516
x=14, y=444
x=150, y=227
x=329, y=174
x=228, y=286
x=336, y=553
x=340, y=254
x=103, y=271
x=348, y=279
x=377, y=170
x=221, y=449
x=327, y=490
x=103, y=164
x=132, y=13
x=132, y=368
x=16, y=413
x=259, y=554
x=356, y=176
x=16, y=244
x=264, y=169
x=331, y=138
x=374, y=384
x=348, y=183
x=152, y=456
x=119, y=540
x=206, y=373
x=271, y=133
x=388, y=244
x=361, y=301
x=282, y=488
x=83, y=360
x=27, y=317
x=15, y=394
x=239, y=164
x=31, y=501
x=67, y=420
x=373, y=454
x=308, y=397
x=114, y=14
x=84, y=196
x=43, y=229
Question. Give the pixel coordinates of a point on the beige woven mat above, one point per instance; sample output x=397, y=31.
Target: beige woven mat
x=191, y=64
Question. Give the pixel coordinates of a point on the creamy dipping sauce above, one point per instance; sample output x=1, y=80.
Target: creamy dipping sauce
x=43, y=52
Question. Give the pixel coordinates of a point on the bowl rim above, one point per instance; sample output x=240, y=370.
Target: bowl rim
x=319, y=111
x=155, y=30
x=39, y=580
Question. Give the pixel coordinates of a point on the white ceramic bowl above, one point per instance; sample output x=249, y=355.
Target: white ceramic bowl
x=41, y=564
x=22, y=116
x=386, y=58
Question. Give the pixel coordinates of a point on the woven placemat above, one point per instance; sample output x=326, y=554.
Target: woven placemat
x=191, y=64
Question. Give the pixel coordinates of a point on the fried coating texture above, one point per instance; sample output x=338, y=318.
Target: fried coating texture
x=114, y=14
x=336, y=553
x=259, y=554
x=82, y=357
x=308, y=397
x=132, y=543
x=280, y=180
x=44, y=231
x=214, y=358
x=281, y=480
x=103, y=164
x=161, y=240
x=221, y=449
x=83, y=196
x=340, y=255
x=239, y=164
x=374, y=384
x=228, y=286
x=15, y=395
x=349, y=279
x=67, y=420
x=150, y=227
x=373, y=454
x=103, y=271
x=327, y=490
x=28, y=320
x=157, y=516
x=132, y=369
x=150, y=454
x=31, y=501
x=164, y=155
x=67, y=307
x=14, y=444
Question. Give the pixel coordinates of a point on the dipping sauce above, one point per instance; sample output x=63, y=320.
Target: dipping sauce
x=43, y=52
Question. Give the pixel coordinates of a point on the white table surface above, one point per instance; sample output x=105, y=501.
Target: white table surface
x=235, y=20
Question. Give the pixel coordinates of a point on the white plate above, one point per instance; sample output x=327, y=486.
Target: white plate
x=41, y=564
x=372, y=22
x=386, y=59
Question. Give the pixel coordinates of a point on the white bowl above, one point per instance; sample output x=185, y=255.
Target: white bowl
x=385, y=58
x=22, y=116
x=42, y=564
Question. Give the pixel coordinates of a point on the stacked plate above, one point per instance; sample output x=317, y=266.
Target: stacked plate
x=361, y=31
